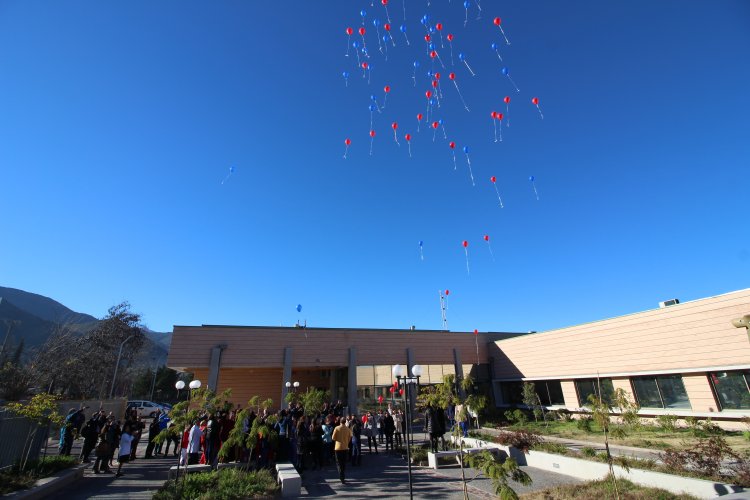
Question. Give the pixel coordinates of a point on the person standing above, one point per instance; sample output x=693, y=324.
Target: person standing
x=398, y=419
x=126, y=440
x=341, y=436
x=370, y=432
x=153, y=431
x=89, y=439
x=389, y=427
x=356, y=429
x=102, y=450
x=213, y=435
x=194, y=444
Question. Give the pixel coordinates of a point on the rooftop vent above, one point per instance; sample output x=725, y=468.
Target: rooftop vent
x=667, y=303
x=413, y=328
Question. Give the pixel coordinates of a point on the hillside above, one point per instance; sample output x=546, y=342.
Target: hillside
x=36, y=317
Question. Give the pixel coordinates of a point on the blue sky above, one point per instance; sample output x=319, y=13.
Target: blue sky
x=118, y=122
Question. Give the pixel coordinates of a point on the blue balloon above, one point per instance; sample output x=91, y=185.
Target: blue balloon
x=531, y=178
x=376, y=22
x=493, y=46
x=372, y=107
x=373, y=98
x=385, y=38
x=424, y=20
x=421, y=243
x=403, y=28
x=466, y=5
x=345, y=74
x=231, y=170
x=440, y=121
x=461, y=56
x=416, y=64
x=432, y=102
x=466, y=149
x=363, y=13
x=432, y=30
x=429, y=74
x=505, y=70
x=299, y=306
x=426, y=17
x=431, y=46
x=355, y=44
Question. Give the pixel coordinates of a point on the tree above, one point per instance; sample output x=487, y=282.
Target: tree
x=313, y=400
x=42, y=410
x=531, y=399
x=499, y=472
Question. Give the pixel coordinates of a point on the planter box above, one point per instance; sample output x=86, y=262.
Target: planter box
x=49, y=485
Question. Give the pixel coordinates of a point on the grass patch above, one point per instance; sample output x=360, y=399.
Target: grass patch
x=604, y=488
x=14, y=480
x=224, y=484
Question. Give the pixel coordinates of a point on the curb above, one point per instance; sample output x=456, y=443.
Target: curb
x=48, y=485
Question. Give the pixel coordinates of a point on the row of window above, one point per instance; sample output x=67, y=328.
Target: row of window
x=732, y=391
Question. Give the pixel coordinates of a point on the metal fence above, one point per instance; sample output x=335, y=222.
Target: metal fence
x=14, y=433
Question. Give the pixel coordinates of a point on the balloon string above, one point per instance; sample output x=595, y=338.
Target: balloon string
x=414, y=77
x=226, y=178
x=440, y=60
x=498, y=196
x=386, y=13
x=459, y=95
x=489, y=245
x=494, y=123
x=501, y=131
x=451, y=44
x=441, y=40
x=421, y=255
x=371, y=140
x=385, y=99
x=470, y=172
x=540, y=111
x=454, y=160
x=466, y=251
x=445, y=136
x=507, y=113
x=466, y=19
x=434, y=130
x=404, y=2
x=470, y=70
x=380, y=46
x=535, y=191
x=503, y=32
x=479, y=14
x=370, y=120
x=392, y=40
x=498, y=55
x=409, y=143
x=369, y=74
x=514, y=84
x=407, y=39
x=348, y=45
x=395, y=138
x=359, y=61
x=346, y=150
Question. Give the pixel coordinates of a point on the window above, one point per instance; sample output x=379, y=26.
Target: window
x=550, y=392
x=590, y=386
x=666, y=391
x=732, y=389
x=511, y=393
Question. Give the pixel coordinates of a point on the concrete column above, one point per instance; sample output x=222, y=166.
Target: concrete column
x=352, y=382
x=459, y=367
x=214, y=365
x=287, y=375
x=332, y=384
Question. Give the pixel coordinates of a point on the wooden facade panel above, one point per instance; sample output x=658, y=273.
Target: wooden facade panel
x=690, y=335
x=699, y=392
x=569, y=393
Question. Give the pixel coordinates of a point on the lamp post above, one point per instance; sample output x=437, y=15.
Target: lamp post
x=179, y=385
x=194, y=384
x=117, y=365
x=404, y=379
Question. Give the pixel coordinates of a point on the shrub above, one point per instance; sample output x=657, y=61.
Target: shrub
x=418, y=454
x=704, y=457
x=516, y=417
x=588, y=451
x=667, y=423
x=523, y=440
x=556, y=448
x=746, y=435
x=584, y=423
x=228, y=483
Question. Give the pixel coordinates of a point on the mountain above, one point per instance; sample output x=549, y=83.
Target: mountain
x=35, y=317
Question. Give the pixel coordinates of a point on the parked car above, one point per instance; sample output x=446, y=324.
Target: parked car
x=146, y=408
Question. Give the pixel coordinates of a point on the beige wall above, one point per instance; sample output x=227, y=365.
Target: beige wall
x=691, y=335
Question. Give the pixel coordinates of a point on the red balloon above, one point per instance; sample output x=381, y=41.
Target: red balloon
x=349, y=31
x=437, y=76
x=447, y=292
x=506, y=100
x=362, y=31
x=452, y=76
x=486, y=237
x=439, y=26
x=384, y=2
x=433, y=54
x=476, y=331
x=394, y=125
x=428, y=94
x=427, y=38
x=419, y=116
x=400, y=392
x=452, y=145
x=493, y=115
x=465, y=243
x=387, y=88
x=435, y=124
x=380, y=399
x=407, y=137
x=372, y=133
x=395, y=383
x=434, y=83
x=535, y=101
x=449, y=37
x=387, y=27
x=392, y=389
x=499, y=116
x=347, y=141
x=364, y=65
x=493, y=179
x=497, y=21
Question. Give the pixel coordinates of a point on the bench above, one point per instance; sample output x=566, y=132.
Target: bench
x=187, y=469
x=432, y=458
x=291, y=482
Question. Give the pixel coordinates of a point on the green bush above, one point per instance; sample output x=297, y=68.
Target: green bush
x=225, y=484
x=584, y=423
x=549, y=447
x=588, y=451
x=516, y=417
x=14, y=479
x=418, y=453
x=667, y=423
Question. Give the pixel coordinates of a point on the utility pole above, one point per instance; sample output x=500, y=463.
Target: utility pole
x=10, y=323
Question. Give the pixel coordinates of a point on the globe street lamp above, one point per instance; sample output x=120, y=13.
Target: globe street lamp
x=179, y=385
x=406, y=381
